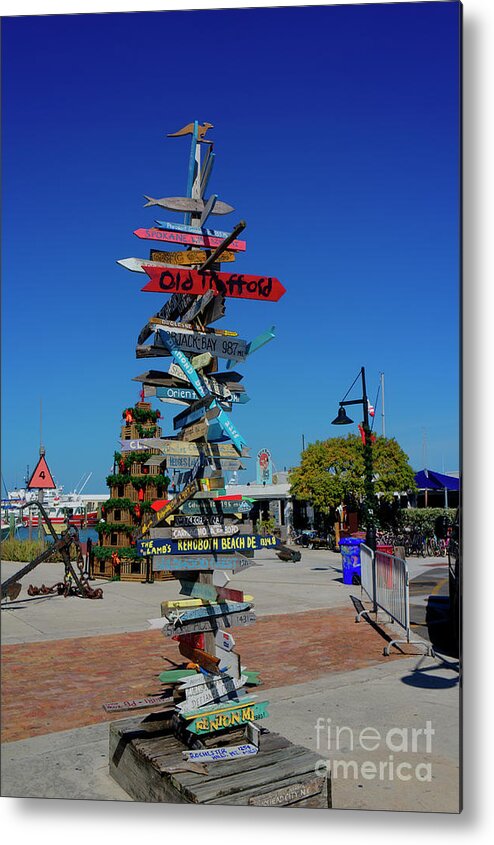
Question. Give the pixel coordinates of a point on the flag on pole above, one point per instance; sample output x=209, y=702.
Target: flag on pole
x=371, y=409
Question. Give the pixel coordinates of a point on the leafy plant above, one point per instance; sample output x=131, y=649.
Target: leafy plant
x=332, y=471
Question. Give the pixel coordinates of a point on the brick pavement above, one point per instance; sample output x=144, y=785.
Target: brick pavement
x=62, y=684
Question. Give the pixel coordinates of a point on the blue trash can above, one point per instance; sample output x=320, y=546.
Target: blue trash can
x=350, y=554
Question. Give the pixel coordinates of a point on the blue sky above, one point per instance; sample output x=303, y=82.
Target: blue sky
x=336, y=138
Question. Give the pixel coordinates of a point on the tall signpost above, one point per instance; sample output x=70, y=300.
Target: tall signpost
x=197, y=533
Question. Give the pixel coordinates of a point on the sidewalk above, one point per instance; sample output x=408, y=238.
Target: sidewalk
x=64, y=658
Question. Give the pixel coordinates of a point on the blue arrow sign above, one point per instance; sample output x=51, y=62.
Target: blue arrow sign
x=184, y=364
x=191, y=230
x=254, y=345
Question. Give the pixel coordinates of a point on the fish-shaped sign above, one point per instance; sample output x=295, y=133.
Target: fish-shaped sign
x=186, y=238
x=203, y=545
x=236, y=285
x=192, y=204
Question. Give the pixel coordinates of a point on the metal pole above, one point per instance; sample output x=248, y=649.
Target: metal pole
x=383, y=423
x=368, y=470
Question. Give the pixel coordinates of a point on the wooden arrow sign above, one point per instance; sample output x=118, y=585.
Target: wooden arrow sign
x=184, y=204
x=196, y=563
x=185, y=394
x=194, y=342
x=198, y=520
x=208, y=241
x=183, y=362
x=143, y=444
x=193, y=506
x=179, y=447
x=211, y=692
x=171, y=506
x=202, y=658
x=206, y=545
x=207, y=611
x=207, y=626
x=192, y=230
x=198, y=531
x=255, y=344
x=228, y=718
x=224, y=752
x=236, y=285
x=186, y=257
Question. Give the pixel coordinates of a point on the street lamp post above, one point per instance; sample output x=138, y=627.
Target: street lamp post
x=369, y=496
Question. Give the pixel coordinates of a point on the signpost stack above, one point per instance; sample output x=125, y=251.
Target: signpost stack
x=198, y=533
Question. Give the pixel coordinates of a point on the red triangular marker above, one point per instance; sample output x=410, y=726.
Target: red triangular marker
x=42, y=477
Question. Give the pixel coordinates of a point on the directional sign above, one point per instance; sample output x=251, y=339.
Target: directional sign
x=211, y=242
x=207, y=521
x=236, y=285
x=186, y=393
x=179, y=447
x=193, y=506
x=229, y=429
x=233, y=716
x=171, y=676
x=137, y=703
x=136, y=265
x=171, y=506
x=158, y=379
x=206, y=611
x=216, y=755
x=196, y=563
x=184, y=363
x=210, y=592
x=256, y=344
x=143, y=444
x=204, y=531
x=210, y=692
x=192, y=230
x=190, y=327
x=206, y=545
x=188, y=204
x=199, y=656
x=194, y=342
x=187, y=257
x=234, y=620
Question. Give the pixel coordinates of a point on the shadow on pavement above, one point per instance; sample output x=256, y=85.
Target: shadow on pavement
x=423, y=677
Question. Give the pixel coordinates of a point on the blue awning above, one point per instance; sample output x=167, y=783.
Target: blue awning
x=428, y=479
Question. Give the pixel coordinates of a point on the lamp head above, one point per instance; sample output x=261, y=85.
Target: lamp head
x=342, y=418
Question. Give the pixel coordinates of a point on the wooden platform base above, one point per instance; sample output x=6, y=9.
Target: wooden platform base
x=146, y=761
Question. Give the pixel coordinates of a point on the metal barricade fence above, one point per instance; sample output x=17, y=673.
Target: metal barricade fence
x=384, y=579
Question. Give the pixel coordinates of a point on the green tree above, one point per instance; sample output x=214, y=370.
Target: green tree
x=332, y=471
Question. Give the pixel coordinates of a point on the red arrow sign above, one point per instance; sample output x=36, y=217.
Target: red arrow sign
x=237, y=285
x=186, y=238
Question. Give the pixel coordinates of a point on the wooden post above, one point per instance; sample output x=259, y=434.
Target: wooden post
x=193, y=164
